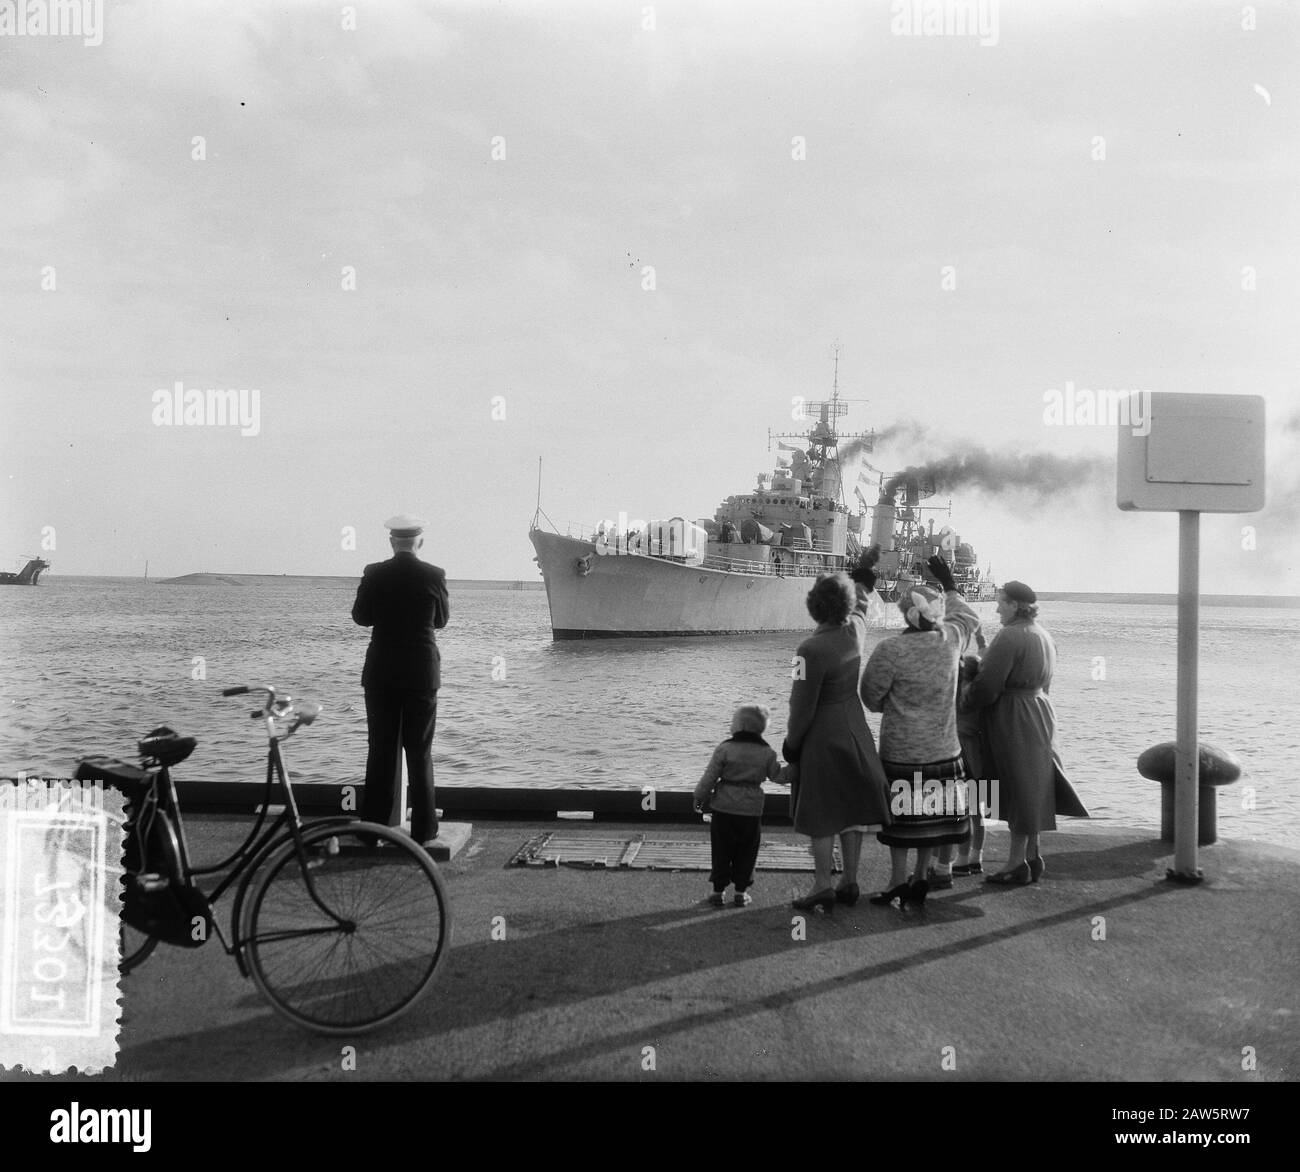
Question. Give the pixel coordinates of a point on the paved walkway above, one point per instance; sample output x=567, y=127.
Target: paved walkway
x=1103, y=971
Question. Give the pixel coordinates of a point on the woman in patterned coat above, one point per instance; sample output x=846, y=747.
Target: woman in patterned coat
x=912, y=680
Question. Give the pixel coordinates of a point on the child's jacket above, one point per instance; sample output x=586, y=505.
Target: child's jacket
x=737, y=769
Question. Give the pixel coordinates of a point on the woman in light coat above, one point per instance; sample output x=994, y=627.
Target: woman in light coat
x=1012, y=688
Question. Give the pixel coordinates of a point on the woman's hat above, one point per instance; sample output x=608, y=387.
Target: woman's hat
x=1019, y=592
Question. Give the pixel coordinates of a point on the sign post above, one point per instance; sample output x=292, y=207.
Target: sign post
x=1190, y=454
x=1187, y=782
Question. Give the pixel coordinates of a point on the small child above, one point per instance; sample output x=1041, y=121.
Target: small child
x=733, y=785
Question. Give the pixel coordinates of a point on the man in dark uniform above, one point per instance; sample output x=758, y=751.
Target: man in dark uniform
x=405, y=601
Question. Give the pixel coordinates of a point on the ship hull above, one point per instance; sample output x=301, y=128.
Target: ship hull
x=638, y=597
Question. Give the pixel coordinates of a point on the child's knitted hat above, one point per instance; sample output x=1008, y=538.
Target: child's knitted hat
x=750, y=718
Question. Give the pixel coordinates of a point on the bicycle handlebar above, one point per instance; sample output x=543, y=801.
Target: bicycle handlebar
x=283, y=708
x=245, y=689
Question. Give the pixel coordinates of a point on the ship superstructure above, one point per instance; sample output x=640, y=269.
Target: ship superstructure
x=907, y=541
x=794, y=522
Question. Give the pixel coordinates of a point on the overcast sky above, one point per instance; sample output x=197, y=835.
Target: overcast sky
x=503, y=184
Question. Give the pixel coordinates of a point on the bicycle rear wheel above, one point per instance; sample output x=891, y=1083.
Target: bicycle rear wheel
x=366, y=947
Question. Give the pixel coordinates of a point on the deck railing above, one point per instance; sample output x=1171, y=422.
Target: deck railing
x=762, y=569
x=790, y=566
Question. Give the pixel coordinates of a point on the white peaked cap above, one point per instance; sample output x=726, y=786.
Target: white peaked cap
x=404, y=525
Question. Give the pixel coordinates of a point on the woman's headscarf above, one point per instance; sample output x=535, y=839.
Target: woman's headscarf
x=922, y=607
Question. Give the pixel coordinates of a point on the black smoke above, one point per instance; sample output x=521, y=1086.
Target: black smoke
x=1040, y=473
x=908, y=431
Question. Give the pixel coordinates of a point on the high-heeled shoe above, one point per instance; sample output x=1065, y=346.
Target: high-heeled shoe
x=848, y=894
x=1036, y=869
x=885, y=898
x=820, y=899
x=1021, y=876
x=917, y=892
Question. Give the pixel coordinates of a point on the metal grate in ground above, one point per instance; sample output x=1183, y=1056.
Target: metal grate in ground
x=638, y=853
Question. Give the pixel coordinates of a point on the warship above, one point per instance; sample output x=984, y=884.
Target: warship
x=29, y=575
x=748, y=568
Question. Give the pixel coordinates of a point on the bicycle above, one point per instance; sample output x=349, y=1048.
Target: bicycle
x=340, y=923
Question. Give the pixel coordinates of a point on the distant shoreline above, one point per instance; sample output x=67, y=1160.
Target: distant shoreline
x=278, y=579
x=1113, y=598
x=1274, y=601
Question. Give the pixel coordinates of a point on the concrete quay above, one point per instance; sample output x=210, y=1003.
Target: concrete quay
x=1102, y=971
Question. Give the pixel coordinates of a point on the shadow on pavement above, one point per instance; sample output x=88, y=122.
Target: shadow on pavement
x=546, y=964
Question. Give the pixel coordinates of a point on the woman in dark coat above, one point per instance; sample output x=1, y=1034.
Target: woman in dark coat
x=841, y=785
x=1012, y=688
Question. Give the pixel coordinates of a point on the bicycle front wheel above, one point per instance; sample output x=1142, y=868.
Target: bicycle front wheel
x=347, y=935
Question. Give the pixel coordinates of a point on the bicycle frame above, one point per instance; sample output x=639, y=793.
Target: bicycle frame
x=244, y=862
x=291, y=820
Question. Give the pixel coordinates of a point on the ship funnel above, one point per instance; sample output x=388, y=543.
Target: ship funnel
x=910, y=484
x=882, y=524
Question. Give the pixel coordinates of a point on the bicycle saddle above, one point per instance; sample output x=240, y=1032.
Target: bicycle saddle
x=166, y=747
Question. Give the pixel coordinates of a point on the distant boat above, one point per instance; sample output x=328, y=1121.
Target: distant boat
x=27, y=576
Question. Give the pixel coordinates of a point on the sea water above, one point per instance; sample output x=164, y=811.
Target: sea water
x=89, y=665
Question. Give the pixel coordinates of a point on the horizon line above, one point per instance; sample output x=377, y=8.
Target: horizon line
x=1117, y=596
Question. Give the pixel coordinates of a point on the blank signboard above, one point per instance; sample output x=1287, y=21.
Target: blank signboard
x=1202, y=452
x=1199, y=449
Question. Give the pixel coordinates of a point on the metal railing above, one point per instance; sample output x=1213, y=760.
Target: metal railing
x=636, y=544
x=762, y=569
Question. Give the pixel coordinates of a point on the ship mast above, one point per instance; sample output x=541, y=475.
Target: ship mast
x=823, y=439
x=835, y=399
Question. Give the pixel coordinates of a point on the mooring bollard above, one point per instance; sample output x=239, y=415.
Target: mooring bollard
x=1215, y=767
